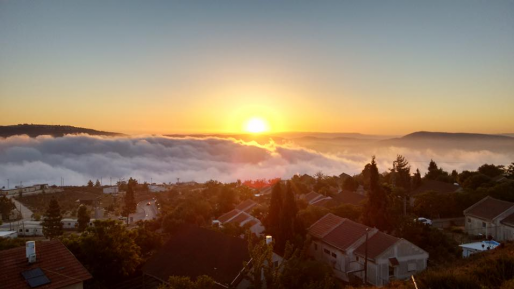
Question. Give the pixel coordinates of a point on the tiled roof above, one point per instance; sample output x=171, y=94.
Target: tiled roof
x=193, y=251
x=227, y=216
x=325, y=225
x=311, y=197
x=327, y=202
x=509, y=220
x=52, y=257
x=240, y=218
x=435, y=186
x=488, y=208
x=377, y=244
x=347, y=197
x=246, y=205
x=344, y=235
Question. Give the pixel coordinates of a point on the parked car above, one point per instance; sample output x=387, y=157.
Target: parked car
x=424, y=221
x=148, y=204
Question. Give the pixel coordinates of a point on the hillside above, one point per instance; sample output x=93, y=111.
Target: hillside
x=34, y=130
x=447, y=136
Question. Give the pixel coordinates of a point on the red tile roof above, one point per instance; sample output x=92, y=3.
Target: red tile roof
x=344, y=235
x=56, y=261
x=488, y=208
x=227, y=216
x=377, y=244
x=246, y=205
x=325, y=225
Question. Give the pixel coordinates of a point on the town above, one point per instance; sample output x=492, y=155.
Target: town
x=394, y=229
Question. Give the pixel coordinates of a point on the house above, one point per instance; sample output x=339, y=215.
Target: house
x=247, y=206
x=476, y=247
x=491, y=217
x=344, y=245
x=312, y=197
x=193, y=251
x=111, y=190
x=153, y=188
x=8, y=234
x=34, y=189
x=351, y=198
x=72, y=224
x=28, y=228
x=45, y=265
x=241, y=218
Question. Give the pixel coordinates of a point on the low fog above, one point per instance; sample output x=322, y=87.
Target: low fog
x=79, y=158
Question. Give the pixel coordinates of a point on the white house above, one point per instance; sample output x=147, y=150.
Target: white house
x=34, y=189
x=8, y=234
x=157, y=188
x=491, y=217
x=342, y=243
x=476, y=247
x=111, y=190
x=240, y=216
x=28, y=228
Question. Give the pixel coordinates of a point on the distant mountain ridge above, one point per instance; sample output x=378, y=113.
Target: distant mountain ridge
x=34, y=130
x=454, y=136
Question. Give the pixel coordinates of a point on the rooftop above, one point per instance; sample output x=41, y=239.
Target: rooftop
x=435, y=186
x=488, y=208
x=347, y=197
x=377, y=244
x=195, y=251
x=246, y=205
x=229, y=215
x=52, y=257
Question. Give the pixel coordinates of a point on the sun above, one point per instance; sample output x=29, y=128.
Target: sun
x=256, y=125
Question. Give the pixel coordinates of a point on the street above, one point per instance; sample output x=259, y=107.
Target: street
x=145, y=211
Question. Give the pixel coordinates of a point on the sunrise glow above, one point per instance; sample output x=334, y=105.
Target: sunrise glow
x=256, y=125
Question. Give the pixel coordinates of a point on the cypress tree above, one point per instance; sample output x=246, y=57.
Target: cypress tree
x=130, y=201
x=274, y=213
x=52, y=226
x=83, y=218
x=288, y=218
x=375, y=210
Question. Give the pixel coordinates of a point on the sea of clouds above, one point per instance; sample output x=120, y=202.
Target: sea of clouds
x=79, y=158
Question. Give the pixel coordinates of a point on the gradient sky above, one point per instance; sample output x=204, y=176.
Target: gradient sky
x=381, y=67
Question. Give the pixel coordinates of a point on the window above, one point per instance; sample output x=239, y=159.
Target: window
x=27, y=230
x=469, y=220
x=411, y=267
x=391, y=271
x=334, y=255
x=315, y=246
x=483, y=224
x=326, y=251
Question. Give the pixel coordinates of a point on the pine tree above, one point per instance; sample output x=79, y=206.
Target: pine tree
x=375, y=210
x=402, y=173
x=274, y=213
x=130, y=202
x=90, y=184
x=416, y=179
x=97, y=184
x=52, y=226
x=6, y=206
x=83, y=218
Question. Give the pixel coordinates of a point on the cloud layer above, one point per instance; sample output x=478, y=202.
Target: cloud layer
x=80, y=158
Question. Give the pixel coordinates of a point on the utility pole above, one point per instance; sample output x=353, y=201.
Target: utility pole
x=366, y=258
x=7, y=183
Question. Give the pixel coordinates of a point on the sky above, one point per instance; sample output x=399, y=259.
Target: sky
x=375, y=67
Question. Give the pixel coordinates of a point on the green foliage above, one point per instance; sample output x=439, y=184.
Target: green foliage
x=476, y=181
x=491, y=170
x=83, y=218
x=6, y=206
x=349, y=211
x=376, y=207
x=416, y=179
x=401, y=173
x=52, y=226
x=108, y=250
x=181, y=282
x=147, y=237
x=437, y=174
x=509, y=171
x=272, y=221
x=226, y=200
x=311, y=214
x=350, y=184
x=8, y=243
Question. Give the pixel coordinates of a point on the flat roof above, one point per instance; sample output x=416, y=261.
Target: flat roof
x=478, y=245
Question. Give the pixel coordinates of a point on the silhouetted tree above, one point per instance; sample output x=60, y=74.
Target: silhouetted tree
x=83, y=218
x=509, y=172
x=350, y=184
x=416, y=179
x=97, y=184
x=491, y=170
x=288, y=215
x=52, y=226
x=401, y=171
x=130, y=202
x=275, y=210
x=375, y=209
x=90, y=184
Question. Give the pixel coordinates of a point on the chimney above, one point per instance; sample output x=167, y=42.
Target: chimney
x=269, y=239
x=30, y=251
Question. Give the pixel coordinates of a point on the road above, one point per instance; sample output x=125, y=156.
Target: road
x=145, y=211
x=26, y=214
